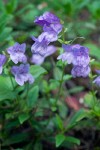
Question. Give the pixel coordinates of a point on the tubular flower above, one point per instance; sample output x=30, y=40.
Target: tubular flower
x=38, y=59
x=47, y=19
x=17, y=53
x=22, y=74
x=40, y=45
x=79, y=71
x=51, y=25
x=75, y=54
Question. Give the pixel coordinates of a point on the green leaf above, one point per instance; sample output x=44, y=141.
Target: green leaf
x=59, y=122
x=60, y=138
x=11, y=6
x=36, y=71
x=6, y=89
x=76, y=89
x=5, y=34
x=23, y=117
x=33, y=96
x=54, y=84
x=57, y=73
x=94, y=50
x=16, y=138
x=89, y=100
x=67, y=77
x=2, y=6
x=72, y=140
x=79, y=115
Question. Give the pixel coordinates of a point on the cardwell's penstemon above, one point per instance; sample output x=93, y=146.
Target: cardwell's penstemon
x=51, y=28
x=17, y=53
x=2, y=62
x=22, y=74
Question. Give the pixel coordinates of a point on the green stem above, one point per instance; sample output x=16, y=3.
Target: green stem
x=27, y=88
x=60, y=86
x=12, y=82
x=63, y=35
x=13, y=86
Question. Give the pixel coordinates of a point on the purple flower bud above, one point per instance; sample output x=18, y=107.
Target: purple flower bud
x=2, y=62
x=38, y=59
x=17, y=53
x=22, y=74
x=46, y=19
x=80, y=71
x=97, y=81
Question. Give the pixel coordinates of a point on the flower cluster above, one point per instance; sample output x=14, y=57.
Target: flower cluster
x=97, y=80
x=74, y=54
x=51, y=28
x=21, y=72
x=79, y=56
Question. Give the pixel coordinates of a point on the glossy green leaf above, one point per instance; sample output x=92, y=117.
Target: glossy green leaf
x=33, y=96
x=59, y=122
x=60, y=138
x=23, y=117
x=94, y=50
x=6, y=89
x=36, y=71
x=57, y=73
x=79, y=115
x=72, y=140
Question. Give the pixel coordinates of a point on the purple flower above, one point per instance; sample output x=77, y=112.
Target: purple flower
x=81, y=55
x=40, y=45
x=51, y=25
x=50, y=36
x=38, y=59
x=17, y=53
x=67, y=55
x=2, y=62
x=46, y=19
x=22, y=74
x=97, y=81
x=80, y=71
x=53, y=28
x=98, y=72
x=76, y=54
